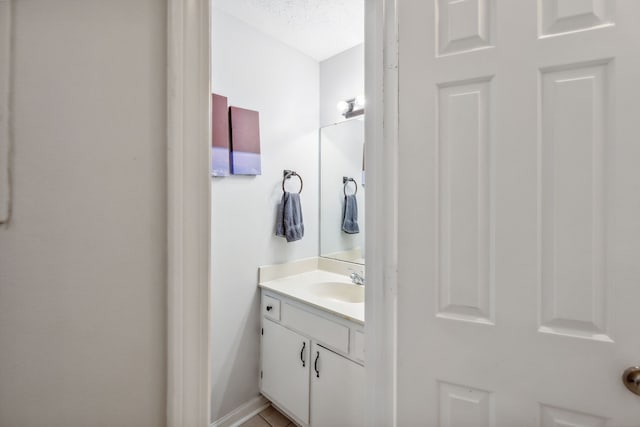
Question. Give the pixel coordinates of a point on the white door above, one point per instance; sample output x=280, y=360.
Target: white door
x=519, y=212
x=285, y=369
x=337, y=390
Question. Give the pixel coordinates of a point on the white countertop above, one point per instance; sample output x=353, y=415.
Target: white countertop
x=297, y=287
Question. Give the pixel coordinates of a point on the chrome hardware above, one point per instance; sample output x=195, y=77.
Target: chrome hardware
x=288, y=174
x=357, y=279
x=631, y=379
x=346, y=180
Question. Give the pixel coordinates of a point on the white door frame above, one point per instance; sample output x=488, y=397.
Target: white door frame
x=6, y=55
x=381, y=136
x=189, y=211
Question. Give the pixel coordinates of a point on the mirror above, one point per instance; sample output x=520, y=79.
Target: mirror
x=342, y=171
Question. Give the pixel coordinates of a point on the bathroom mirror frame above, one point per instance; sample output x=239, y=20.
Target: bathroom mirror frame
x=341, y=173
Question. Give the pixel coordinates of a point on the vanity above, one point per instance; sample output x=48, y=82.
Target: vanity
x=312, y=345
x=312, y=311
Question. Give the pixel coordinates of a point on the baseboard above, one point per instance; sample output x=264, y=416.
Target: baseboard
x=242, y=413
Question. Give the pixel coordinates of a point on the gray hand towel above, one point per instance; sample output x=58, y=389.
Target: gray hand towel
x=289, y=222
x=350, y=215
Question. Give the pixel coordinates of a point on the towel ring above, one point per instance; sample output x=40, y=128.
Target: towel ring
x=345, y=181
x=288, y=174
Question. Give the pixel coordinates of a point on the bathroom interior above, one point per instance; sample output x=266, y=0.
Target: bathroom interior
x=287, y=295
x=501, y=194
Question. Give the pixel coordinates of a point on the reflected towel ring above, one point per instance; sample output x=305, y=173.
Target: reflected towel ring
x=288, y=174
x=345, y=181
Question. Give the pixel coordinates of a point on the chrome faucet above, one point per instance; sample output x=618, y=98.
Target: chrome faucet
x=357, y=279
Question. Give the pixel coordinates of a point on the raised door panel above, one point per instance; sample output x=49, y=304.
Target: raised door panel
x=465, y=250
x=564, y=16
x=464, y=25
x=464, y=406
x=337, y=390
x=558, y=417
x=573, y=144
x=285, y=369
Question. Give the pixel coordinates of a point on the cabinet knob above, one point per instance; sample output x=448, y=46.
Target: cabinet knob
x=269, y=307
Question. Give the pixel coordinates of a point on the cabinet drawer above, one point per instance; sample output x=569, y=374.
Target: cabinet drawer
x=271, y=307
x=322, y=330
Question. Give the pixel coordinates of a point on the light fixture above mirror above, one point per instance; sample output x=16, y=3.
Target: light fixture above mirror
x=351, y=107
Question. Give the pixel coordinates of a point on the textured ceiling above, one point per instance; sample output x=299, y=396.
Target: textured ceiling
x=319, y=28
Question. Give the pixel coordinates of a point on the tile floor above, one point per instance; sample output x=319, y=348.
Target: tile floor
x=269, y=417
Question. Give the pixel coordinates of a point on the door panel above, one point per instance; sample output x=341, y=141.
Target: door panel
x=337, y=390
x=285, y=369
x=464, y=189
x=519, y=212
x=574, y=135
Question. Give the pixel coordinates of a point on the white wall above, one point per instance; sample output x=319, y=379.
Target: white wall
x=82, y=265
x=259, y=73
x=341, y=77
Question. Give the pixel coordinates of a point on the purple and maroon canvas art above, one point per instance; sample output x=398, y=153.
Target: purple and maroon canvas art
x=219, y=136
x=245, y=142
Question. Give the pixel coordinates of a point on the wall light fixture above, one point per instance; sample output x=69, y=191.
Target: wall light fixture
x=351, y=107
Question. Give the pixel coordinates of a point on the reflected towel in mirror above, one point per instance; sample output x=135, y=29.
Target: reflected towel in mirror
x=350, y=215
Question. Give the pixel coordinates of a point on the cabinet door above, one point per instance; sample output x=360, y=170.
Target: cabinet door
x=337, y=390
x=285, y=369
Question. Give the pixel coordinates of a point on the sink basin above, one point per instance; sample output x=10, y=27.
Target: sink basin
x=338, y=291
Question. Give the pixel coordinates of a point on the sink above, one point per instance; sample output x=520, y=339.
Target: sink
x=338, y=291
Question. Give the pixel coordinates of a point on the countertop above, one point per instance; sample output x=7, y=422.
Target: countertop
x=297, y=287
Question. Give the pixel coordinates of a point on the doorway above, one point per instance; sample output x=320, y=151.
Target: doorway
x=189, y=206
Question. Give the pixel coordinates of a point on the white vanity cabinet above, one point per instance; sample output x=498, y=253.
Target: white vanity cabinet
x=311, y=365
